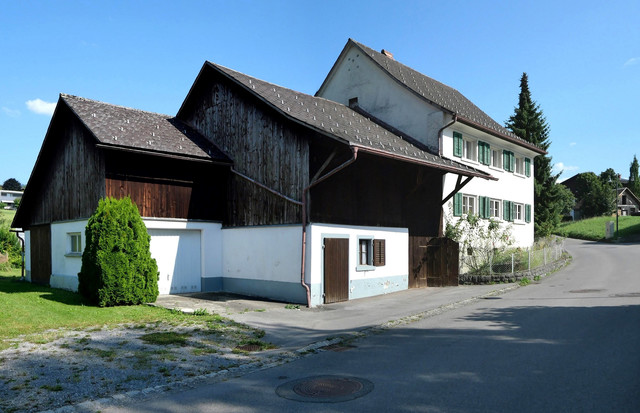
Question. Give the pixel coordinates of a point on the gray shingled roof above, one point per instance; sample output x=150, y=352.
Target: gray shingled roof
x=438, y=93
x=339, y=121
x=132, y=128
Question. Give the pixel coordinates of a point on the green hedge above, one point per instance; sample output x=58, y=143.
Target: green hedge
x=117, y=268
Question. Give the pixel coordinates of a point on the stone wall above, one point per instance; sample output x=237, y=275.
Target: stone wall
x=469, y=279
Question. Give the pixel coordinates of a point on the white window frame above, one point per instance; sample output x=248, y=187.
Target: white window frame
x=496, y=158
x=518, y=212
x=365, y=255
x=74, y=244
x=469, y=204
x=519, y=166
x=469, y=145
x=495, y=206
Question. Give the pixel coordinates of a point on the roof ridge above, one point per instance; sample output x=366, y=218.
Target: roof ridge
x=80, y=98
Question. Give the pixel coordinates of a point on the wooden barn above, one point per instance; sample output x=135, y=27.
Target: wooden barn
x=251, y=188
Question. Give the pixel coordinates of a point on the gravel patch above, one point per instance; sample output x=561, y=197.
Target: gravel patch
x=61, y=368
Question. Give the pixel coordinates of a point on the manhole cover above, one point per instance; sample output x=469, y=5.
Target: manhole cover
x=325, y=389
x=586, y=290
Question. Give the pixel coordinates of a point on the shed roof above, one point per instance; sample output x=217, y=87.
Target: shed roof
x=342, y=123
x=122, y=127
x=439, y=94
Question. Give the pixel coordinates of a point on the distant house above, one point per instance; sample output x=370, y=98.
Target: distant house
x=251, y=188
x=9, y=198
x=440, y=120
x=628, y=203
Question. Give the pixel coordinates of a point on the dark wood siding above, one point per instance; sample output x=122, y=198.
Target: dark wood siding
x=262, y=144
x=168, y=188
x=69, y=177
x=40, y=249
x=376, y=191
x=433, y=262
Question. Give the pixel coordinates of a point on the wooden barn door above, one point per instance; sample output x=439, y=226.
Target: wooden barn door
x=417, y=261
x=442, y=262
x=336, y=270
x=433, y=262
x=40, y=246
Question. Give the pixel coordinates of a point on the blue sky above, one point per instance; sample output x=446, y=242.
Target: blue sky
x=582, y=58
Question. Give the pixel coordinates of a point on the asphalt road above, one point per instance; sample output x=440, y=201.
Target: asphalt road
x=570, y=343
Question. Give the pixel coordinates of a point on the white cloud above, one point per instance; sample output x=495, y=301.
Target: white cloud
x=573, y=143
x=12, y=113
x=41, y=107
x=559, y=167
x=632, y=61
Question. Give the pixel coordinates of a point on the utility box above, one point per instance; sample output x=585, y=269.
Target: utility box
x=610, y=230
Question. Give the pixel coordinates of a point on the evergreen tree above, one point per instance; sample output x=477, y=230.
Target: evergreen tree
x=12, y=184
x=529, y=123
x=634, y=180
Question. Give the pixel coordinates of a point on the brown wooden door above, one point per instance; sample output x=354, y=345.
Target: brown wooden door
x=40, y=248
x=417, y=261
x=336, y=270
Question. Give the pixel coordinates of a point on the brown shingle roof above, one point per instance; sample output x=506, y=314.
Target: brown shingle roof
x=440, y=94
x=123, y=127
x=339, y=121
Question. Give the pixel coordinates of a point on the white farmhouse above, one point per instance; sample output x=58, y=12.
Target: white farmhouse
x=439, y=119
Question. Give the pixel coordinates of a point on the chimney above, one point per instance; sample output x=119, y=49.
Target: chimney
x=387, y=53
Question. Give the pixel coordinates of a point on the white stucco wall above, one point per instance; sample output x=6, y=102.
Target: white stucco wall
x=509, y=186
x=269, y=253
x=65, y=266
x=393, y=276
x=356, y=75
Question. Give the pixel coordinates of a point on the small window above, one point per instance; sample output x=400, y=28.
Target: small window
x=518, y=212
x=519, y=166
x=496, y=158
x=75, y=243
x=365, y=251
x=468, y=204
x=494, y=208
x=469, y=150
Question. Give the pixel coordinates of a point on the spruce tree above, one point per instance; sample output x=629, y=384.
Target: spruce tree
x=634, y=180
x=529, y=123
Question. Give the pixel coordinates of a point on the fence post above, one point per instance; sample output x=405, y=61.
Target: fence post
x=512, y=263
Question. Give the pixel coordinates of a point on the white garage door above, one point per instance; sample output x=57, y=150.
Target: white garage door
x=177, y=253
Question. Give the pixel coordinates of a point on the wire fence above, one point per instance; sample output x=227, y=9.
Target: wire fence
x=511, y=262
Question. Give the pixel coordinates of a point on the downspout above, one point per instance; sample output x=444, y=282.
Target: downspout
x=441, y=131
x=354, y=151
x=16, y=231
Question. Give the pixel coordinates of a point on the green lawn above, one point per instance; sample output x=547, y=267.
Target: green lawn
x=8, y=215
x=29, y=309
x=594, y=228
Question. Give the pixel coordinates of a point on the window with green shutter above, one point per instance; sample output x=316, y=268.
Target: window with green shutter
x=457, y=205
x=457, y=144
x=484, y=207
x=508, y=161
x=527, y=167
x=484, y=153
x=507, y=211
x=527, y=213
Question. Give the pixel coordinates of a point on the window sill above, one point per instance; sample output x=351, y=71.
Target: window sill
x=73, y=254
x=365, y=268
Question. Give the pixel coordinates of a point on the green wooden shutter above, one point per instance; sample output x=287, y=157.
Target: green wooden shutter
x=507, y=213
x=505, y=161
x=481, y=207
x=484, y=153
x=457, y=205
x=527, y=167
x=457, y=144
x=527, y=213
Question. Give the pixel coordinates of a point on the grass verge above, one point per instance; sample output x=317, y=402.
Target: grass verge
x=593, y=229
